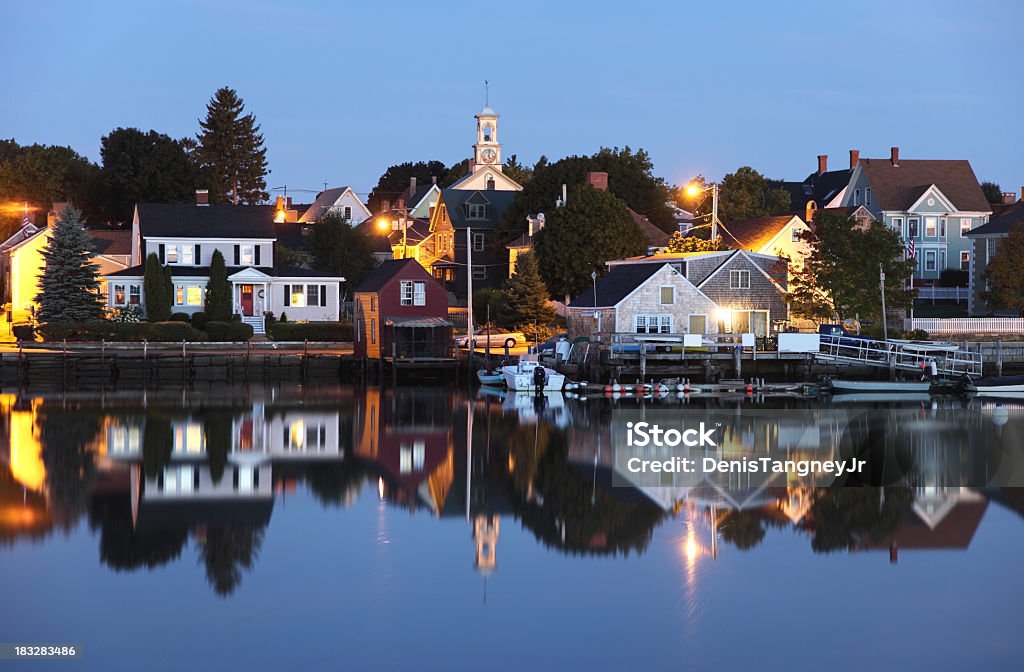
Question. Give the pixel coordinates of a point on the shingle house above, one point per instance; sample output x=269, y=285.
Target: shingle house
x=985, y=242
x=935, y=203
x=184, y=238
x=774, y=235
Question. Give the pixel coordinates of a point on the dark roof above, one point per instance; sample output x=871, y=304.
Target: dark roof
x=898, y=187
x=180, y=220
x=383, y=273
x=183, y=271
x=1001, y=225
x=289, y=234
x=817, y=187
x=754, y=234
x=497, y=203
x=654, y=236
x=379, y=243
x=616, y=285
x=291, y=272
x=110, y=241
x=413, y=199
x=524, y=240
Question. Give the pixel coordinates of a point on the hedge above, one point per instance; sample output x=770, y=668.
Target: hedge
x=119, y=331
x=310, y=331
x=199, y=320
x=228, y=331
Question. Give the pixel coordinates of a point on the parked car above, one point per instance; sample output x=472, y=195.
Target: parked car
x=548, y=346
x=498, y=338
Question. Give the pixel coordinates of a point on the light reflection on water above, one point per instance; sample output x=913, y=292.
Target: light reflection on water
x=262, y=503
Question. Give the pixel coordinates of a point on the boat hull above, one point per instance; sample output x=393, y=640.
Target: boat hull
x=490, y=377
x=863, y=386
x=999, y=385
x=523, y=382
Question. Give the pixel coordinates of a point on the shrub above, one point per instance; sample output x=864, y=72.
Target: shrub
x=954, y=277
x=228, y=331
x=171, y=331
x=119, y=331
x=199, y=320
x=916, y=335
x=24, y=332
x=180, y=317
x=284, y=317
x=129, y=314
x=310, y=331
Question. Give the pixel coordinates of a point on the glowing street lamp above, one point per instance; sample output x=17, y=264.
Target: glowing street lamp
x=693, y=190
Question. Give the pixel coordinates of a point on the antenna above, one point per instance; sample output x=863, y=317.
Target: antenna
x=487, y=93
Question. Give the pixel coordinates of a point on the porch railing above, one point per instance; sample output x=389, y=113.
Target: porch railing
x=965, y=326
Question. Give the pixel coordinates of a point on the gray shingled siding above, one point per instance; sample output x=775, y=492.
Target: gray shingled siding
x=762, y=295
x=580, y=323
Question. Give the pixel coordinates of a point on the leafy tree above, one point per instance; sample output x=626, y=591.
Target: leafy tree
x=70, y=285
x=44, y=174
x=745, y=194
x=1006, y=282
x=231, y=150
x=218, y=290
x=840, y=274
x=395, y=180
x=526, y=297
x=226, y=552
x=847, y=518
x=488, y=301
x=144, y=167
x=158, y=288
x=678, y=243
x=630, y=178
x=456, y=172
x=595, y=226
x=341, y=249
x=993, y=192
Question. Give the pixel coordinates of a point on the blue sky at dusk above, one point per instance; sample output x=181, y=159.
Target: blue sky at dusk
x=345, y=89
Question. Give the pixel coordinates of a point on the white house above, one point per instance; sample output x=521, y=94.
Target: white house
x=341, y=200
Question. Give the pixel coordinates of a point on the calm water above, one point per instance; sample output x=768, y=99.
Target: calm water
x=338, y=528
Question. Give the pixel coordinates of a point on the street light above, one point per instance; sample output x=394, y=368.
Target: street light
x=693, y=190
x=384, y=224
x=593, y=278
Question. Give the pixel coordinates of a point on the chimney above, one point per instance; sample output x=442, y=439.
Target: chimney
x=565, y=194
x=809, y=212
x=822, y=163
x=854, y=158
x=894, y=157
x=529, y=226
x=202, y=196
x=598, y=181
x=288, y=202
x=433, y=179
x=1022, y=193
x=279, y=203
x=412, y=186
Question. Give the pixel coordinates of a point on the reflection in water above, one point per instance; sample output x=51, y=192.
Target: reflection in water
x=161, y=478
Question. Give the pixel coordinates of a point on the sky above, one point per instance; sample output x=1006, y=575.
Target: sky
x=343, y=90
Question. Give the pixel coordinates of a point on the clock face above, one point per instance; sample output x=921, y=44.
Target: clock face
x=488, y=155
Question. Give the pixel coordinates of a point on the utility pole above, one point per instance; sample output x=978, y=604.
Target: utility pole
x=881, y=283
x=714, y=212
x=469, y=289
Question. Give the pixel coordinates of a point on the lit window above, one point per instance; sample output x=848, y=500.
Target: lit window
x=297, y=435
x=668, y=296
x=739, y=279
x=188, y=438
x=406, y=297
x=186, y=255
x=171, y=254
x=247, y=255
x=194, y=295
x=794, y=235
x=134, y=295
x=312, y=295
x=298, y=296
x=931, y=226
x=118, y=295
x=653, y=324
x=965, y=227
x=965, y=261
x=179, y=295
x=419, y=294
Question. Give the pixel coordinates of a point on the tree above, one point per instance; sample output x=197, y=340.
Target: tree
x=678, y=243
x=218, y=290
x=158, y=288
x=745, y=194
x=340, y=249
x=993, y=192
x=70, y=285
x=596, y=226
x=395, y=180
x=517, y=171
x=227, y=550
x=1006, y=282
x=144, y=167
x=43, y=174
x=231, y=151
x=526, y=297
x=840, y=275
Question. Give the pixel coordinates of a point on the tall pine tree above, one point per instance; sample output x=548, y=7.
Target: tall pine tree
x=526, y=297
x=69, y=290
x=231, y=151
x=218, y=290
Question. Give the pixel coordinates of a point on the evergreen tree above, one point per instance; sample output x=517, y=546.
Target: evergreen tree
x=218, y=290
x=158, y=288
x=526, y=296
x=1005, y=280
x=70, y=286
x=231, y=151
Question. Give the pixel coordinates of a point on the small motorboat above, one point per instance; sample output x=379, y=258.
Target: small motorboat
x=863, y=386
x=530, y=375
x=994, y=386
x=490, y=377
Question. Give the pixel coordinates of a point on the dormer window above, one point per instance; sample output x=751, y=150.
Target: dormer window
x=476, y=210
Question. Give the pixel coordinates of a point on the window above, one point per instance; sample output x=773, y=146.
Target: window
x=419, y=295
x=412, y=458
x=247, y=255
x=931, y=226
x=194, y=295
x=965, y=227
x=134, y=295
x=171, y=254
x=476, y=211
x=298, y=296
x=479, y=272
x=373, y=304
x=187, y=256
x=478, y=242
x=965, y=261
x=867, y=196
x=897, y=225
x=312, y=295
x=739, y=279
x=929, y=260
x=179, y=295
x=668, y=296
x=698, y=324
x=942, y=227
x=406, y=287
x=794, y=235
x=118, y=295
x=373, y=331
x=653, y=324
x=913, y=224
x=856, y=196
x=348, y=212
x=189, y=438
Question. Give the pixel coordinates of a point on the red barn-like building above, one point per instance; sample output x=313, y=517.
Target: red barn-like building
x=401, y=311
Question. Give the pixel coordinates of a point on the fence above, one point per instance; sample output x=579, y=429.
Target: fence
x=934, y=294
x=966, y=326
x=457, y=314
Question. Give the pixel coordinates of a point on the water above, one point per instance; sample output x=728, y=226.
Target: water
x=330, y=528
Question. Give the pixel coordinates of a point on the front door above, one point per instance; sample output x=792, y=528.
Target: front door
x=247, y=300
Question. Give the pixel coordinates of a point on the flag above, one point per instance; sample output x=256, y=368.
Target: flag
x=910, y=248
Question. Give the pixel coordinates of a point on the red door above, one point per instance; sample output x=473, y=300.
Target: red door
x=247, y=300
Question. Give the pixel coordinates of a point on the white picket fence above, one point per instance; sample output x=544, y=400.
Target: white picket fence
x=965, y=326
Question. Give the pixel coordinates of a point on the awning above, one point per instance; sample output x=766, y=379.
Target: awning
x=419, y=322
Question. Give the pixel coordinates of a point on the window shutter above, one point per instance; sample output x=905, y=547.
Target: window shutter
x=257, y=258
x=161, y=253
x=323, y=295
x=199, y=255
x=287, y=295
x=238, y=255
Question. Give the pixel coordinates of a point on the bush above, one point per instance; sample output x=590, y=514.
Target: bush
x=916, y=335
x=284, y=317
x=180, y=317
x=954, y=277
x=310, y=331
x=119, y=331
x=130, y=314
x=199, y=320
x=228, y=331
x=24, y=332
x=171, y=331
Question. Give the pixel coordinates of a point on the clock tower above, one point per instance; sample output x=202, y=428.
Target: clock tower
x=487, y=150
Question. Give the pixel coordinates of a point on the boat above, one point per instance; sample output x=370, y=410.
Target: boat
x=530, y=375
x=882, y=397
x=997, y=385
x=862, y=386
x=490, y=377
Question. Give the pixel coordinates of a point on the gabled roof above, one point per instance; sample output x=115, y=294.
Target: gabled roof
x=898, y=187
x=181, y=220
x=384, y=272
x=460, y=184
x=818, y=187
x=616, y=285
x=498, y=202
x=22, y=236
x=736, y=254
x=110, y=241
x=754, y=234
x=379, y=242
x=325, y=200
x=1001, y=225
x=654, y=236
